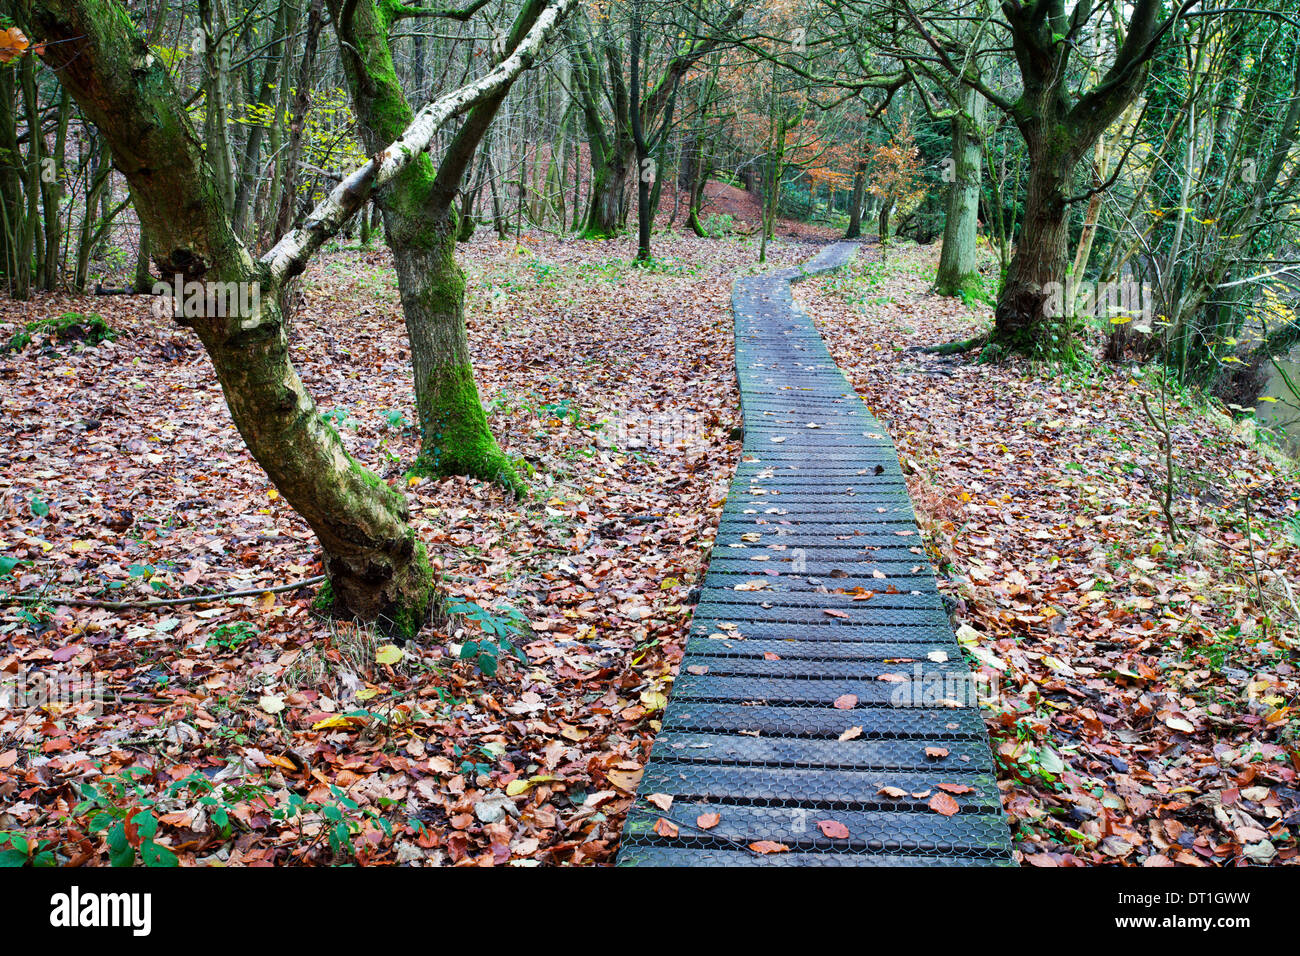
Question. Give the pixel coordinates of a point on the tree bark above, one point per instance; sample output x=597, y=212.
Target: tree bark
x=859, y=198
x=420, y=227
x=958, y=266
x=376, y=566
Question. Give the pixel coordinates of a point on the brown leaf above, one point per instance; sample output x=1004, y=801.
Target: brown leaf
x=942, y=803
x=833, y=829
x=846, y=701
x=663, y=801
x=707, y=821
x=665, y=828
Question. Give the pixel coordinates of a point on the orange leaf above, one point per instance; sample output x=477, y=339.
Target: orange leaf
x=955, y=787
x=666, y=828
x=942, y=803
x=769, y=846
x=707, y=821
x=833, y=829
x=936, y=752
x=846, y=701
x=13, y=43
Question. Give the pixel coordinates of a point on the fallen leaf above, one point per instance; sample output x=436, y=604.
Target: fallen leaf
x=942, y=803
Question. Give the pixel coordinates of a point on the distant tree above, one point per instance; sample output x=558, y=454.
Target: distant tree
x=895, y=172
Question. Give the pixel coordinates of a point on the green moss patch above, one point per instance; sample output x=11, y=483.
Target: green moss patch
x=68, y=327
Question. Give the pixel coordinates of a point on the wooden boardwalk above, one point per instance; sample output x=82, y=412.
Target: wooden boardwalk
x=797, y=703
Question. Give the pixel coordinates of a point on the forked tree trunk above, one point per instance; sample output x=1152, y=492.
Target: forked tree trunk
x=420, y=227
x=375, y=564
x=1057, y=135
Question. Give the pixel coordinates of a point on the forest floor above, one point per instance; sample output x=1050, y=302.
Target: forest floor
x=1145, y=705
x=256, y=732
x=730, y=207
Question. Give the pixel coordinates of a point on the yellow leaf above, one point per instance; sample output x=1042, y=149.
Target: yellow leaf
x=329, y=723
x=273, y=494
x=653, y=700
x=388, y=654
x=515, y=787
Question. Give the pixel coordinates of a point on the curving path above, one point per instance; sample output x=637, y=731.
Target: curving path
x=818, y=513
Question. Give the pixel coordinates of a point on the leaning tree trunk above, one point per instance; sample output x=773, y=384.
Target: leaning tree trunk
x=375, y=564
x=958, y=266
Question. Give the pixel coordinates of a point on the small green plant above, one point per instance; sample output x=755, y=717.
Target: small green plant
x=339, y=418
x=119, y=807
x=343, y=818
x=22, y=851
x=563, y=409
x=232, y=636
x=498, y=626
x=719, y=224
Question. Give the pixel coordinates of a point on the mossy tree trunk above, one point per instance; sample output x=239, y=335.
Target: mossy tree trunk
x=420, y=227
x=456, y=439
x=1059, y=130
x=1026, y=319
x=608, y=185
x=376, y=566
x=958, y=266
